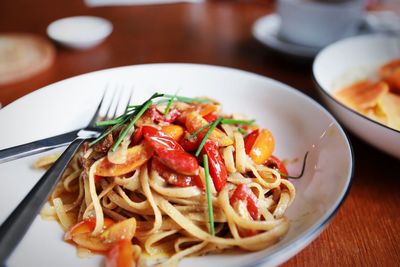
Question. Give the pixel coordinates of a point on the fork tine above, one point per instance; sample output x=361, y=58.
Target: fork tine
x=123, y=102
x=117, y=111
x=129, y=98
x=97, y=112
x=113, y=104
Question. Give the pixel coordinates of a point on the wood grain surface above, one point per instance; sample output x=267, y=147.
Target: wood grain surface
x=365, y=231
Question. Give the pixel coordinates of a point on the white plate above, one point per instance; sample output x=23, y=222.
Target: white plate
x=266, y=31
x=347, y=61
x=298, y=123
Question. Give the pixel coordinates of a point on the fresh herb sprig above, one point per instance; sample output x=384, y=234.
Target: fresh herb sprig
x=138, y=114
x=241, y=122
x=188, y=99
x=208, y=193
x=224, y=121
x=212, y=127
x=171, y=100
x=104, y=134
x=200, y=129
x=242, y=131
x=302, y=169
x=134, y=111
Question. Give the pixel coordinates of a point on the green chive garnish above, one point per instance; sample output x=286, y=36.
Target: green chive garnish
x=225, y=121
x=137, y=115
x=109, y=122
x=106, y=133
x=302, y=169
x=171, y=100
x=241, y=122
x=189, y=99
x=212, y=127
x=200, y=129
x=208, y=192
x=242, y=131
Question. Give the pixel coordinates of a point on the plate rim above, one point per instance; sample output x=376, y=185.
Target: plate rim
x=311, y=233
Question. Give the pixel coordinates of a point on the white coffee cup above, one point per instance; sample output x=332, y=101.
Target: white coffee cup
x=318, y=23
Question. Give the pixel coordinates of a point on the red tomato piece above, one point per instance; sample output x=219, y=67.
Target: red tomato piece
x=137, y=136
x=159, y=140
x=190, y=144
x=217, y=167
x=180, y=161
x=211, y=117
x=158, y=117
x=174, y=178
x=247, y=232
x=97, y=178
x=244, y=193
x=250, y=139
x=170, y=152
x=274, y=163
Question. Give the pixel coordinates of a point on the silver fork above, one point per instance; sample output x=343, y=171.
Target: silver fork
x=15, y=226
x=39, y=146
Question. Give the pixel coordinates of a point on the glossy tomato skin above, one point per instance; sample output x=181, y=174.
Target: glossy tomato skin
x=190, y=144
x=158, y=117
x=274, y=163
x=250, y=139
x=137, y=136
x=211, y=117
x=244, y=193
x=174, y=131
x=217, y=167
x=174, y=178
x=169, y=151
x=180, y=161
x=259, y=145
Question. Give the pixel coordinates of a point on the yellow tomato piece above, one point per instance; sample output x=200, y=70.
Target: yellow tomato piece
x=119, y=231
x=86, y=226
x=174, y=131
x=206, y=109
x=195, y=121
x=137, y=156
x=94, y=243
x=263, y=147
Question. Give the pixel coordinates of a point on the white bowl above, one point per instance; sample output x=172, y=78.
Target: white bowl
x=298, y=123
x=347, y=61
x=81, y=32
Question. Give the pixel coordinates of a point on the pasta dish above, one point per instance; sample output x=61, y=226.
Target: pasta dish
x=172, y=178
x=378, y=96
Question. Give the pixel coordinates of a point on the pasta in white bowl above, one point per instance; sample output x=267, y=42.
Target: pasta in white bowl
x=289, y=214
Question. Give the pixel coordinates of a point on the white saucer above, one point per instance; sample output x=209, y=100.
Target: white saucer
x=266, y=29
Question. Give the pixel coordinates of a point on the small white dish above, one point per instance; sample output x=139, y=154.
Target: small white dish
x=81, y=32
x=347, y=61
x=303, y=125
x=266, y=31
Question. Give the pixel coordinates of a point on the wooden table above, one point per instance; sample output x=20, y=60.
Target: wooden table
x=365, y=231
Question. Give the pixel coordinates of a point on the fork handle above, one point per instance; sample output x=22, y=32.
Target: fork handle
x=16, y=225
x=38, y=146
